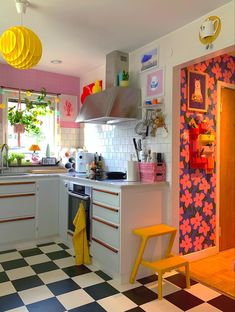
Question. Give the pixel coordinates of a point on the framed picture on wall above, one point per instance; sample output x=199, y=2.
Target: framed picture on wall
x=197, y=91
x=68, y=107
x=149, y=59
x=155, y=83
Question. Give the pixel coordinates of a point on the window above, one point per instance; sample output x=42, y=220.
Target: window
x=20, y=141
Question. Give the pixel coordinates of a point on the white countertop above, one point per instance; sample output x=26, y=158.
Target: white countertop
x=80, y=179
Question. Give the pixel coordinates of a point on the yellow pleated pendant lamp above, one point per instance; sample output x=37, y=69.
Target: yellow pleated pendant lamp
x=20, y=47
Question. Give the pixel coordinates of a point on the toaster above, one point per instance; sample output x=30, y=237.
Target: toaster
x=82, y=160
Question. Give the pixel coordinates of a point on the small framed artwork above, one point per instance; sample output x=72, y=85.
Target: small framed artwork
x=68, y=111
x=197, y=91
x=155, y=83
x=150, y=59
x=68, y=107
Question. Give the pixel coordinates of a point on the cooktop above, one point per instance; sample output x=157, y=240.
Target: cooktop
x=106, y=176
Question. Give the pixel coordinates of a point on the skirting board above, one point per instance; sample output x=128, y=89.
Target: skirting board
x=21, y=245
x=211, y=251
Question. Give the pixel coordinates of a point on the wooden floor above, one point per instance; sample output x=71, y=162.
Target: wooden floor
x=216, y=271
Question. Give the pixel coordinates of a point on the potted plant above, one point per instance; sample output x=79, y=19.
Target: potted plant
x=11, y=158
x=28, y=118
x=124, y=80
x=19, y=157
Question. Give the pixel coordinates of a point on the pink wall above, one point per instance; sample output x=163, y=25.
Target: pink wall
x=33, y=79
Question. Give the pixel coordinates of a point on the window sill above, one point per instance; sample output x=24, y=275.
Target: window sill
x=31, y=165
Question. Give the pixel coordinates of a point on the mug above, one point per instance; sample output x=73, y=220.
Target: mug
x=209, y=27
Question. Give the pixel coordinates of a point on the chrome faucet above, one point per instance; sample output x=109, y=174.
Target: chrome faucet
x=6, y=148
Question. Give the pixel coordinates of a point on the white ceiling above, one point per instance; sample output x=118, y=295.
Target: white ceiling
x=82, y=32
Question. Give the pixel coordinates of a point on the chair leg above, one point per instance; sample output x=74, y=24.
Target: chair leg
x=170, y=244
x=138, y=260
x=187, y=275
x=159, y=285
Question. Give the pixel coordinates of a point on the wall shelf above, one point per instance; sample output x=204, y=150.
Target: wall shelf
x=148, y=69
x=152, y=106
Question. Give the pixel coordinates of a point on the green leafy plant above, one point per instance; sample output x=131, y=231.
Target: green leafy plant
x=125, y=75
x=30, y=116
x=19, y=156
x=11, y=158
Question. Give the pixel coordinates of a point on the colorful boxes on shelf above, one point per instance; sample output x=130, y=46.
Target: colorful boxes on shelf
x=152, y=172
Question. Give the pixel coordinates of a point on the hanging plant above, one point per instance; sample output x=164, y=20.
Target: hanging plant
x=28, y=119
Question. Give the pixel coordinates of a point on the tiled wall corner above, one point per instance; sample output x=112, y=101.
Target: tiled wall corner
x=115, y=143
x=70, y=137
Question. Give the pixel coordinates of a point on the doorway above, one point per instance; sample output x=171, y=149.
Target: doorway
x=216, y=270
x=226, y=173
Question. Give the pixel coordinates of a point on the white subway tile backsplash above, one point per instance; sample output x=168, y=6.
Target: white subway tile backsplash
x=115, y=143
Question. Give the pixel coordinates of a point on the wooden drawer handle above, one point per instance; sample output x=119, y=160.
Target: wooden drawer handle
x=107, y=192
x=16, y=219
x=16, y=183
x=17, y=195
x=106, y=207
x=105, y=245
x=105, y=222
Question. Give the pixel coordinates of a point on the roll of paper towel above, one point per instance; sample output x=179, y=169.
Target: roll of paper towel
x=133, y=173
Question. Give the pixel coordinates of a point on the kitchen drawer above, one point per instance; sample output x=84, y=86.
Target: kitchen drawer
x=105, y=212
x=17, y=187
x=21, y=205
x=106, y=197
x=108, y=259
x=106, y=232
x=19, y=230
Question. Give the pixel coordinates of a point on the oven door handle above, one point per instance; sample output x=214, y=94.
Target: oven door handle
x=85, y=197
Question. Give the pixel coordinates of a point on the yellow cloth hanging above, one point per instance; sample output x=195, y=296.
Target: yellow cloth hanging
x=80, y=243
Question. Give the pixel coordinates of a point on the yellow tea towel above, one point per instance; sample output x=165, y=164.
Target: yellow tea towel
x=80, y=243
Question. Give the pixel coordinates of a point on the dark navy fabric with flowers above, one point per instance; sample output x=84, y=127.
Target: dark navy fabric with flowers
x=197, y=215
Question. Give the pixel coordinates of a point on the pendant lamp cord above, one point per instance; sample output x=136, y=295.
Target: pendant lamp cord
x=19, y=102
x=21, y=19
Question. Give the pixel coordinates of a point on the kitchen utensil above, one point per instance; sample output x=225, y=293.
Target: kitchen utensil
x=136, y=149
x=139, y=145
x=142, y=127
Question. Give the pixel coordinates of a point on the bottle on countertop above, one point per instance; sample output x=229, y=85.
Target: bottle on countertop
x=149, y=158
x=96, y=158
x=48, y=153
x=154, y=157
x=100, y=162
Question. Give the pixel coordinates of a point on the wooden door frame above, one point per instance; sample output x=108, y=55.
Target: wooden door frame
x=220, y=86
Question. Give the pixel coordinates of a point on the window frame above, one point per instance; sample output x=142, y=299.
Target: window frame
x=6, y=95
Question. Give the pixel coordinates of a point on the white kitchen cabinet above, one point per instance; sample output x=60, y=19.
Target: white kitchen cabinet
x=63, y=210
x=105, y=245
x=115, y=213
x=47, y=207
x=17, y=211
x=106, y=197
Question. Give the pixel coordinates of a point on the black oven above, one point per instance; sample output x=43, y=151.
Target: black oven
x=78, y=193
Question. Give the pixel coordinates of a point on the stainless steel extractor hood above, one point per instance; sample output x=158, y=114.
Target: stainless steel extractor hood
x=115, y=104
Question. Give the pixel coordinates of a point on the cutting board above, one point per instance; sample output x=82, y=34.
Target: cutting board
x=48, y=171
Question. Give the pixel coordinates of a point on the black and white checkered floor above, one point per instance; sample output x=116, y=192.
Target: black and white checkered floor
x=45, y=279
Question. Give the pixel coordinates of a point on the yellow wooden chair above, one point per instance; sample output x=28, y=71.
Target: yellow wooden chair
x=161, y=266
